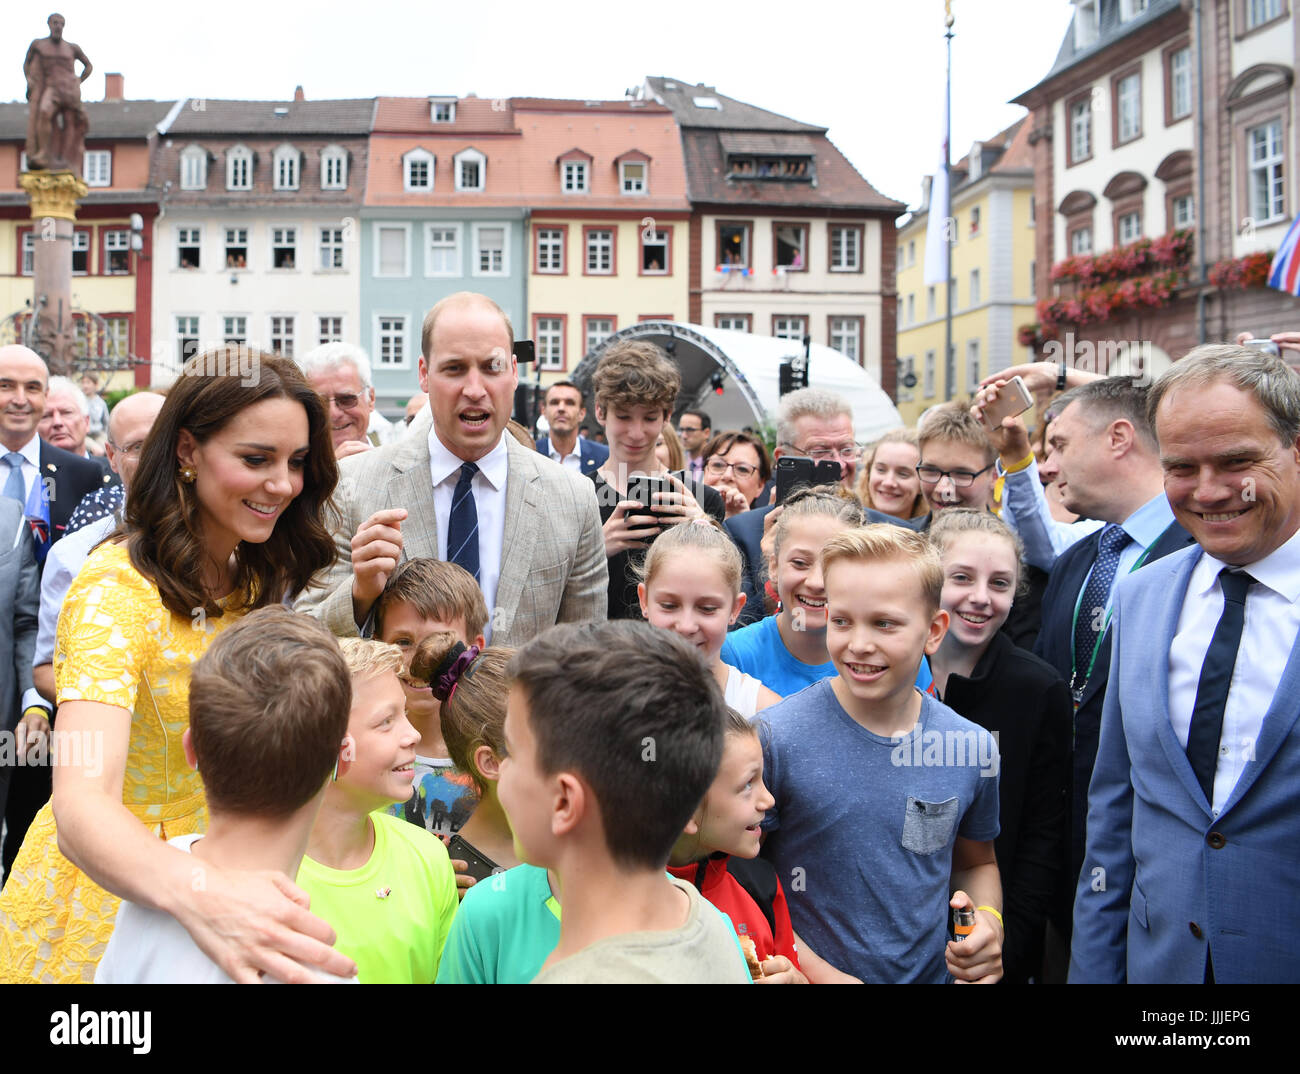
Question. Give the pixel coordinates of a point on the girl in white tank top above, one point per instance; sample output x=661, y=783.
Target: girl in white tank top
x=691, y=585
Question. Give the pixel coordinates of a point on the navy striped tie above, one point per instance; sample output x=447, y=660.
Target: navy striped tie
x=462, y=526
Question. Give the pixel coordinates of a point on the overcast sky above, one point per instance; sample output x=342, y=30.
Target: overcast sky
x=870, y=70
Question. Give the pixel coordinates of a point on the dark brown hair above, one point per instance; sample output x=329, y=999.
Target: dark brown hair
x=475, y=714
x=724, y=442
x=438, y=590
x=269, y=704
x=165, y=540
x=634, y=712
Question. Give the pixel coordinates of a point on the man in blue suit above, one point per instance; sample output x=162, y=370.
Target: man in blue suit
x=1192, y=831
x=564, y=415
x=1105, y=458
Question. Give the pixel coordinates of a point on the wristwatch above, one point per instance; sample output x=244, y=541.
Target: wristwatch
x=1060, y=378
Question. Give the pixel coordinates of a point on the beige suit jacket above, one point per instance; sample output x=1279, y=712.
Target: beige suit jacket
x=553, y=567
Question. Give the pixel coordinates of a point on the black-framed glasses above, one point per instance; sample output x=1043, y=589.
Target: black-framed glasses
x=962, y=479
x=719, y=466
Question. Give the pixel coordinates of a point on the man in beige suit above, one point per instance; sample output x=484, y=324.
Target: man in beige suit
x=533, y=539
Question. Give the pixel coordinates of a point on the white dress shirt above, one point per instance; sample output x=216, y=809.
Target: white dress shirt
x=1272, y=621
x=572, y=461
x=31, y=453
x=489, y=488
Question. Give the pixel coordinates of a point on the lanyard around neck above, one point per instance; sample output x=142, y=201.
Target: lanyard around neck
x=1096, y=645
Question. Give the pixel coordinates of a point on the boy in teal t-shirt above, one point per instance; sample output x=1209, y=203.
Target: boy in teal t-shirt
x=504, y=930
x=385, y=885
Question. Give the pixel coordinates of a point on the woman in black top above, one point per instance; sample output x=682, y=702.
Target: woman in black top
x=983, y=676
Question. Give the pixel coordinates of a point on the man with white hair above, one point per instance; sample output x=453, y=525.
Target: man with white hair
x=340, y=373
x=67, y=420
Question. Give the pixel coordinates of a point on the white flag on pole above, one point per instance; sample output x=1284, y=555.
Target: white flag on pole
x=937, y=231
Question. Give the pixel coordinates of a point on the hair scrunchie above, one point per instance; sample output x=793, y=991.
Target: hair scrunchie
x=447, y=674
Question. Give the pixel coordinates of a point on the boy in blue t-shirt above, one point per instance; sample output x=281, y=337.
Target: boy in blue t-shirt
x=886, y=799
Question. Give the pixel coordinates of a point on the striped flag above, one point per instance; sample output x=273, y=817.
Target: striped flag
x=1285, y=273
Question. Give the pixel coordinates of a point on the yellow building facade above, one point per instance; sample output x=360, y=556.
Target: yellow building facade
x=991, y=232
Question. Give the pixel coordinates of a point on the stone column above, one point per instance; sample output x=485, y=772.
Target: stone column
x=53, y=197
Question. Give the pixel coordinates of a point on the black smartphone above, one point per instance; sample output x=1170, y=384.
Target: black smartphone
x=794, y=470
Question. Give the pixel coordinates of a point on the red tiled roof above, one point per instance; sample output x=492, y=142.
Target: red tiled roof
x=474, y=115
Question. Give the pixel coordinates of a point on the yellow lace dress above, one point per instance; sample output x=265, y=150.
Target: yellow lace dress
x=117, y=644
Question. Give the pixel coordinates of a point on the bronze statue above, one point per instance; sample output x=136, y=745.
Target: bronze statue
x=56, y=121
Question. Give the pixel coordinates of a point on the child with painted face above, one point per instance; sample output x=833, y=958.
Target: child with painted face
x=788, y=650
x=469, y=684
x=981, y=675
x=690, y=584
x=718, y=853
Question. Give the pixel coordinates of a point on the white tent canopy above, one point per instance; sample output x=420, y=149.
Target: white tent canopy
x=751, y=367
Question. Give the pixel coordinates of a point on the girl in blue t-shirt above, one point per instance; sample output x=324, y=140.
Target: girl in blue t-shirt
x=787, y=651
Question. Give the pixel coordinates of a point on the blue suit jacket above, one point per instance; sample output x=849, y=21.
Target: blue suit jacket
x=591, y=453
x=1172, y=877
x=1056, y=646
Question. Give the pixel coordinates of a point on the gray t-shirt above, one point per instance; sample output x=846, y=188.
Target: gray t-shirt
x=863, y=829
x=703, y=951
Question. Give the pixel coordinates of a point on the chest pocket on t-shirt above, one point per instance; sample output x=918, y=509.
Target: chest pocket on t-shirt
x=928, y=826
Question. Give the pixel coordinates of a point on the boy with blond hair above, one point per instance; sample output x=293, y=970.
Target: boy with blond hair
x=269, y=707
x=886, y=799
x=385, y=885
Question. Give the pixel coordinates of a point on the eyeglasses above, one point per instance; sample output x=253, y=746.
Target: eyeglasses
x=962, y=479
x=844, y=452
x=129, y=449
x=688, y=430
x=719, y=466
x=345, y=402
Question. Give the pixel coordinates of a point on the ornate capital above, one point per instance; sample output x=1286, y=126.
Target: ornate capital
x=53, y=193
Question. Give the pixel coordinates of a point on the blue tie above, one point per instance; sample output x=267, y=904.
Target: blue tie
x=462, y=526
x=1092, y=608
x=1216, y=676
x=15, y=486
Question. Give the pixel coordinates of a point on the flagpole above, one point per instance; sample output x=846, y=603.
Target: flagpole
x=948, y=362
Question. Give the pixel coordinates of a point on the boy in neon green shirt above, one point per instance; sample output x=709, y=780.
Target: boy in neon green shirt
x=385, y=885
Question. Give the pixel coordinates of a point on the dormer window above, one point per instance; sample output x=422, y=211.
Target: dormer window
x=239, y=168
x=575, y=172
x=333, y=168
x=1087, y=26
x=286, y=165
x=417, y=170
x=442, y=111
x=194, y=168
x=1131, y=9
x=471, y=170
x=575, y=176
x=782, y=168
x=633, y=173
x=632, y=177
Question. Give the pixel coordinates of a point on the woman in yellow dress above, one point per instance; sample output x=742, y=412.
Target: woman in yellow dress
x=225, y=514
